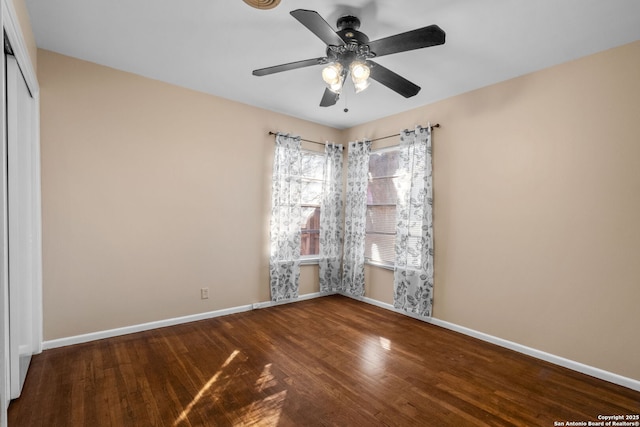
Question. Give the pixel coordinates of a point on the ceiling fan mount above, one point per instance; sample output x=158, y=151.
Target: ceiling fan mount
x=348, y=22
x=349, y=52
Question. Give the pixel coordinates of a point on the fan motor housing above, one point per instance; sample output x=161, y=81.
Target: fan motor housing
x=348, y=30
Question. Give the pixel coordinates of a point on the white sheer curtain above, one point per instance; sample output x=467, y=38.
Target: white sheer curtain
x=356, y=215
x=413, y=272
x=331, y=220
x=286, y=219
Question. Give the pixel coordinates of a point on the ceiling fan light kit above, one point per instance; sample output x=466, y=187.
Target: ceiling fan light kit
x=349, y=52
x=333, y=76
x=360, y=73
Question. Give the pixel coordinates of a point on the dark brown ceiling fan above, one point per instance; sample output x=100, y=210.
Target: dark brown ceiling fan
x=349, y=52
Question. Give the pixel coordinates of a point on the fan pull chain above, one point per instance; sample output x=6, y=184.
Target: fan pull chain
x=346, y=100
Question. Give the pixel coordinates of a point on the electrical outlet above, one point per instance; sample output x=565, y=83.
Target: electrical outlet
x=204, y=293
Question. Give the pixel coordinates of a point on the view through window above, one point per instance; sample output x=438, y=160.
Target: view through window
x=381, y=206
x=312, y=177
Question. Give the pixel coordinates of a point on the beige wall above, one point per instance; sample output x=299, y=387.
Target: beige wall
x=151, y=192
x=537, y=194
x=22, y=13
x=537, y=208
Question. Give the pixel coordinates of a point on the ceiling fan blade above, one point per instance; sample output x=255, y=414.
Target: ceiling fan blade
x=289, y=66
x=318, y=26
x=411, y=40
x=329, y=98
x=393, y=81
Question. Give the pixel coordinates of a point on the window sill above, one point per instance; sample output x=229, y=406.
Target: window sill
x=379, y=264
x=309, y=260
x=316, y=260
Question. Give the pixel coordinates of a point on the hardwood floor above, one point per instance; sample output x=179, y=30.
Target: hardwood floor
x=327, y=361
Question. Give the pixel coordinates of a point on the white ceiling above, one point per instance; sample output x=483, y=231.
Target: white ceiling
x=213, y=45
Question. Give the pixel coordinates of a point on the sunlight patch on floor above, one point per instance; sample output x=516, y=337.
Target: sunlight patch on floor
x=266, y=378
x=374, y=355
x=265, y=412
x=385, y=343
x=183, y=416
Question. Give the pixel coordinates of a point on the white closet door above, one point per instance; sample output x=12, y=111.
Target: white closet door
x=21, y=189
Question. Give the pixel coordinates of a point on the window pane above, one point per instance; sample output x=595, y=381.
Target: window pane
x=310, y=237
x=380, y=248
x=311, y=192
x=381, y=219
x=310, y=243
x=382, y=196
x=312, y=165
x=312, y=172
x=384, y=163
x=310, y=218
x=382, y=191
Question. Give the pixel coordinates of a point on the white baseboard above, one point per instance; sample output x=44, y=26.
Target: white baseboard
x=266, y=304
x=557, y=360
x=538, y=354
x=79, y=339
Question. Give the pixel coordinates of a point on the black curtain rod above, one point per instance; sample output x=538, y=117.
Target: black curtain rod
x=437, y=125
x=301, y=139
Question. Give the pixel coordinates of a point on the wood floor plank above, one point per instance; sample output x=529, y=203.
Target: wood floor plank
x=330, y=361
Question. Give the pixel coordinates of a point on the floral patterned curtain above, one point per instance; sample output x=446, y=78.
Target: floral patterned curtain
x=286, y=218
x=331, y=220
x=356, y=215
x=413, y=272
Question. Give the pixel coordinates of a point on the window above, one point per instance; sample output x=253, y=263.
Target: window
x=312, y=179
x=381, y=206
